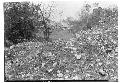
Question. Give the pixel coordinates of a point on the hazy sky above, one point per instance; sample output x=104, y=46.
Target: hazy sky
x=71, y=8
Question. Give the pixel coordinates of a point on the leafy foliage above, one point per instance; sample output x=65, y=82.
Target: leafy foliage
x=23, y=20
x=90, y=55
x=97, y=17
x=18, y=26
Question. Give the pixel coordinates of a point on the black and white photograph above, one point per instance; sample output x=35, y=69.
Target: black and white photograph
x=61, y=41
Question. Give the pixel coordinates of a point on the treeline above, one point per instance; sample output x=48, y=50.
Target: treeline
x=22, y=20
x=90, y=18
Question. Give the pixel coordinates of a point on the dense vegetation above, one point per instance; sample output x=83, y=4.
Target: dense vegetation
x=91, y=54
x=22, y=20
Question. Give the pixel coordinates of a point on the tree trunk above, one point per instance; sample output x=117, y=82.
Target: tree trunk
x=46, y=31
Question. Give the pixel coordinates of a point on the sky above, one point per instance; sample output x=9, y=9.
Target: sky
x=72, y=8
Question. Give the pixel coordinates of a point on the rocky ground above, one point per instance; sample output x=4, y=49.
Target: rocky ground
x=59, y=60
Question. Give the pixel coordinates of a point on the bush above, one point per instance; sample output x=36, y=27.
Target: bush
x=18, y=27
x=19, y=32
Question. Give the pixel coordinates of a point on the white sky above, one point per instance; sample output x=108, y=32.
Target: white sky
x=71, y=8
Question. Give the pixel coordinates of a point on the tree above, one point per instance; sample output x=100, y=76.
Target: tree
x=45, y=18
x=90, y=18
x=18, y=27
x=24, y=19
